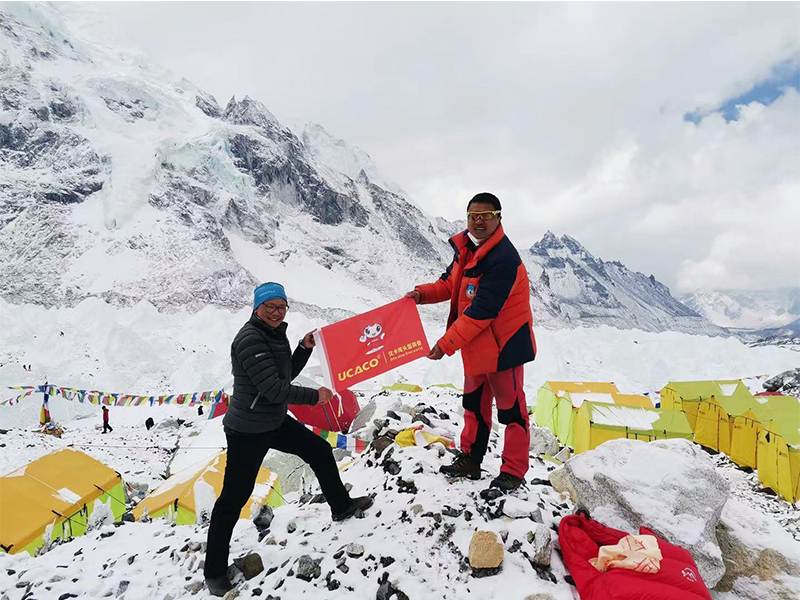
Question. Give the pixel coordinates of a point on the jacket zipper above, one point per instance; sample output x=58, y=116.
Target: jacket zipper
x=252, y=406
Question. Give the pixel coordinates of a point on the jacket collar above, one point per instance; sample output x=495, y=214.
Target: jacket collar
x=280, y=330
x=461, y=242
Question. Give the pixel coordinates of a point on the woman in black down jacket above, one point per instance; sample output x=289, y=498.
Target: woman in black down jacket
x=263, y=368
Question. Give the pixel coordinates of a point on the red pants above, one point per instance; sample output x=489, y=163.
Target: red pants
x=512, y=410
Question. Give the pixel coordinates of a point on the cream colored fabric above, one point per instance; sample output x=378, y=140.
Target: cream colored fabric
x=635, y=552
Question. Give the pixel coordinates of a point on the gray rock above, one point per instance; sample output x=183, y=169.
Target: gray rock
x=292, y=470
x=364, y=416
x=122, y=587
x=560, y=481
x=543, y=441
x=264, y=518
x=307, y=568
x=250, y=565
x=663, y=485
x=542, y=546
x=354, y=550
x=194, y=587
x=381, y=443
x=564, y=454
x=521, y=509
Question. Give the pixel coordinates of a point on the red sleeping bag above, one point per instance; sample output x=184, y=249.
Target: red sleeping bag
x=677, y=579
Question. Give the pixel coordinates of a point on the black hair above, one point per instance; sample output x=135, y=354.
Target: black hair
x=486, y=198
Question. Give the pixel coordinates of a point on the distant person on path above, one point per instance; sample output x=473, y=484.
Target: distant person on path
x=263, y=367
x=490, y=322
x=106, y=426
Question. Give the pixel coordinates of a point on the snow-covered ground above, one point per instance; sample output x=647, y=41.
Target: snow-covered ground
x=417, y=534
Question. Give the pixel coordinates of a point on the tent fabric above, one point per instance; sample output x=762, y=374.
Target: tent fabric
x=190, y=491
x=598, y=423
x=416, y=436
x=778, y=456
x=58, y=490
x=402, y=387
x=337, y=415
x=555, y=410
x=678, y=577
x=686, y=395
x=558, y=403
x=715, y=419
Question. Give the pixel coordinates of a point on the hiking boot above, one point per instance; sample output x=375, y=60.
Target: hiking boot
x=218, y=586
x=360, y=503
x=462, y=467
x=506, y=482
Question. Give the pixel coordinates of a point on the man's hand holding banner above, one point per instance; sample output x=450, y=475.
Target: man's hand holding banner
x=367, y=345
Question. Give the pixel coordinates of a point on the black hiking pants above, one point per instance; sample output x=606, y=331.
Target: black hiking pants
x=246, y=451
x=106, y=427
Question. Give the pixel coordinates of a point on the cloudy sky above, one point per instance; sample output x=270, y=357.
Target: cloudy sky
x=663, y=135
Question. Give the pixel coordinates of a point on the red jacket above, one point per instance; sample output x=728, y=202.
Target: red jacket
x=490, y=313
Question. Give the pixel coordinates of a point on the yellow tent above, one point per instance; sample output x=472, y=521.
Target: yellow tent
x=53, y=497
x=198, y=487
x=402, y=387
x=715, y=418
x=779, y=448
x=686, y=395
x=551, y=395
x=558, y=403
x=599, y=422
x=745, y=431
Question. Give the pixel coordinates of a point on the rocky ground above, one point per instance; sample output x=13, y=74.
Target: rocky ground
x=425, y=537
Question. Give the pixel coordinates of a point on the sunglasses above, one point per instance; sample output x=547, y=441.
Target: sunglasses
x=484, y=215
x=271, y=308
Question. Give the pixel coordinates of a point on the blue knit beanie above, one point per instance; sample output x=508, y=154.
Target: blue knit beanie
x=268, y=291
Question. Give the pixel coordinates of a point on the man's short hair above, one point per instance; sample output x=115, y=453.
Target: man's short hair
x=486, y=198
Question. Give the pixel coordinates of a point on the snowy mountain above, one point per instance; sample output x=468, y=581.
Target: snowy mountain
x=570, y=286
x=336, y=154
x=122, y=181
x=747, y=309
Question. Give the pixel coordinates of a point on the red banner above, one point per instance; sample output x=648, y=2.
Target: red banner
x=364, y=346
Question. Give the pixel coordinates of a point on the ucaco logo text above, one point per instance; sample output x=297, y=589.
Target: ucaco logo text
x=344, y=375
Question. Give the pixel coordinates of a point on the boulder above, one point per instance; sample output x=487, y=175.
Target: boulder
x=250, y=565
x=307, y=568
x=264, y=518
x=381, y=443
x=668, y=486
x=542, y=543
x=354, y=550
x=520, y=509
x=543, y=441
x=291, y=469
x=364, y=416
x=560, y=481
x=485, y=550
x=564, y=454
x=787, y=383
x=756, y=550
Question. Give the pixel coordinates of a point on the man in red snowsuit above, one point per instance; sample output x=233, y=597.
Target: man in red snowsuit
x=490, y=322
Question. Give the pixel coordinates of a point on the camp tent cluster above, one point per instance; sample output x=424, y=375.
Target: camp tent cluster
x=54, y=497
x=586, y=414
x=759, y=432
